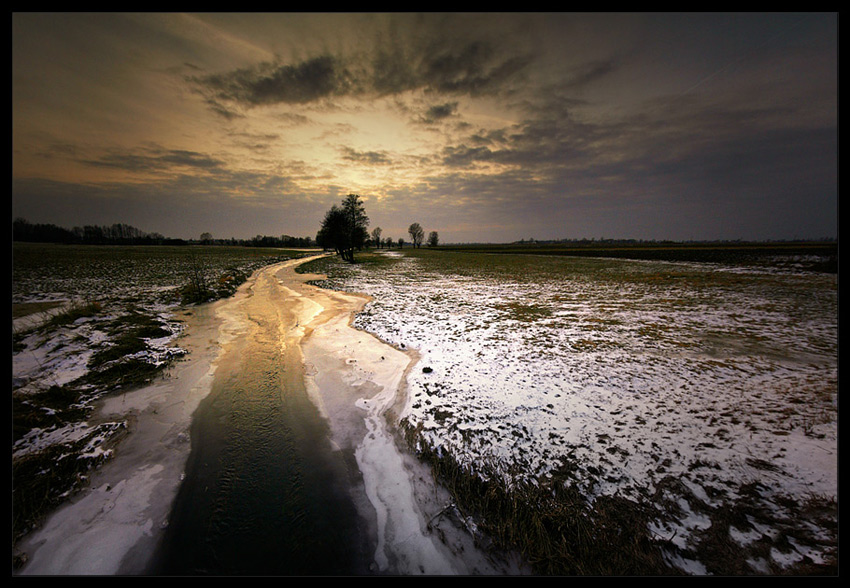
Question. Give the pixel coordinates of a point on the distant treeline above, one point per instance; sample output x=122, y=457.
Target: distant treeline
x=122, y=234
x=116, y=234
x=284, y=241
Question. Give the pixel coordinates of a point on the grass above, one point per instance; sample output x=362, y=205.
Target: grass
x=149, y=273
x=42, y=480
x=551, y=525
x=548, y=521
x=85, y=310
x=559, y=533
x=823, y=255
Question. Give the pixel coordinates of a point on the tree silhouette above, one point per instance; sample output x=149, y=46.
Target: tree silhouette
x=417, y=234
x=376, y=236
x=433, y=239
x=344, y=228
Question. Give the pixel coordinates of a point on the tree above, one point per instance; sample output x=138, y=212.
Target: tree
x=417, y=234
x=331, y=235
x=400, y=243
x=344, y=228
x=376, y=236
x=206, y=238
x=433, y=239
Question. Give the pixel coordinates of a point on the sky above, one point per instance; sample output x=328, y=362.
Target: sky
x=484, y=127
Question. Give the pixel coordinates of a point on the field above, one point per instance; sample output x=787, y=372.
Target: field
x=600, y=415
x=622, y=416
x=90, y=321
x=821, y=256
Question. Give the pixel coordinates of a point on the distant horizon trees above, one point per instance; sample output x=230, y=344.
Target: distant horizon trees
x=282, y=241
x=124, y=234
x=345, y=228
x=115, y=234
x=433, y=239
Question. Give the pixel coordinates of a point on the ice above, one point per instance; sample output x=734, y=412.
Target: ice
x=112, y=526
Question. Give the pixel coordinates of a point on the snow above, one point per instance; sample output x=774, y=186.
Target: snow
x=717, y=386
x=62, y=357
x=111, y=526
x=354, y=378
x=628, y=382
x=109, y=521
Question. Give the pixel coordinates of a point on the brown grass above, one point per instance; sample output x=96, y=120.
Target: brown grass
x=550, y=525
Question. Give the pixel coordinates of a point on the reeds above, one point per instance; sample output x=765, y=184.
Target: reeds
x=551, y=525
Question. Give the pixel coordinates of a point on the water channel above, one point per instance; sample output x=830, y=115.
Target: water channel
x=265, y=493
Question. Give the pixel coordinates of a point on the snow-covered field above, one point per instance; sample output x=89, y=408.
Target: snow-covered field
x=700, y=389
x=88, y=322
x=699, y=385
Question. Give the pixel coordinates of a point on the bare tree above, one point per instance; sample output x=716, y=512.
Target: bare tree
x=376, y=236
x=417, y=234
x=433, y=239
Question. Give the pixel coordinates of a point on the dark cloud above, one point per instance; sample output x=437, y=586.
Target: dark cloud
x=271, y=83
x=222, y=110
x=589, y=72
x=184, y=208
x=439, y=112
x=366, y=157
x=188, y=158
x=463, y=156
x=684, y=167
x=155, y=160
x=472, y=68
x=490, y=137
x=393, y=71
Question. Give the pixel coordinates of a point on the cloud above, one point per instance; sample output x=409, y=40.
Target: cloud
x=439, y=66
x=585, y=123
x=155, y=159
x=366, y=157
x=589, y=72
x=463, y=156
x=439, y=112
x=272, y=83
x=472, y=69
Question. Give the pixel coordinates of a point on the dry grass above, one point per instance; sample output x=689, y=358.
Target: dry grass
x=551, y=525
x=558, y=532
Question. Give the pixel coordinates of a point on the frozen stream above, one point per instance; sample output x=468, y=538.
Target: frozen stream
x=268, y=488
